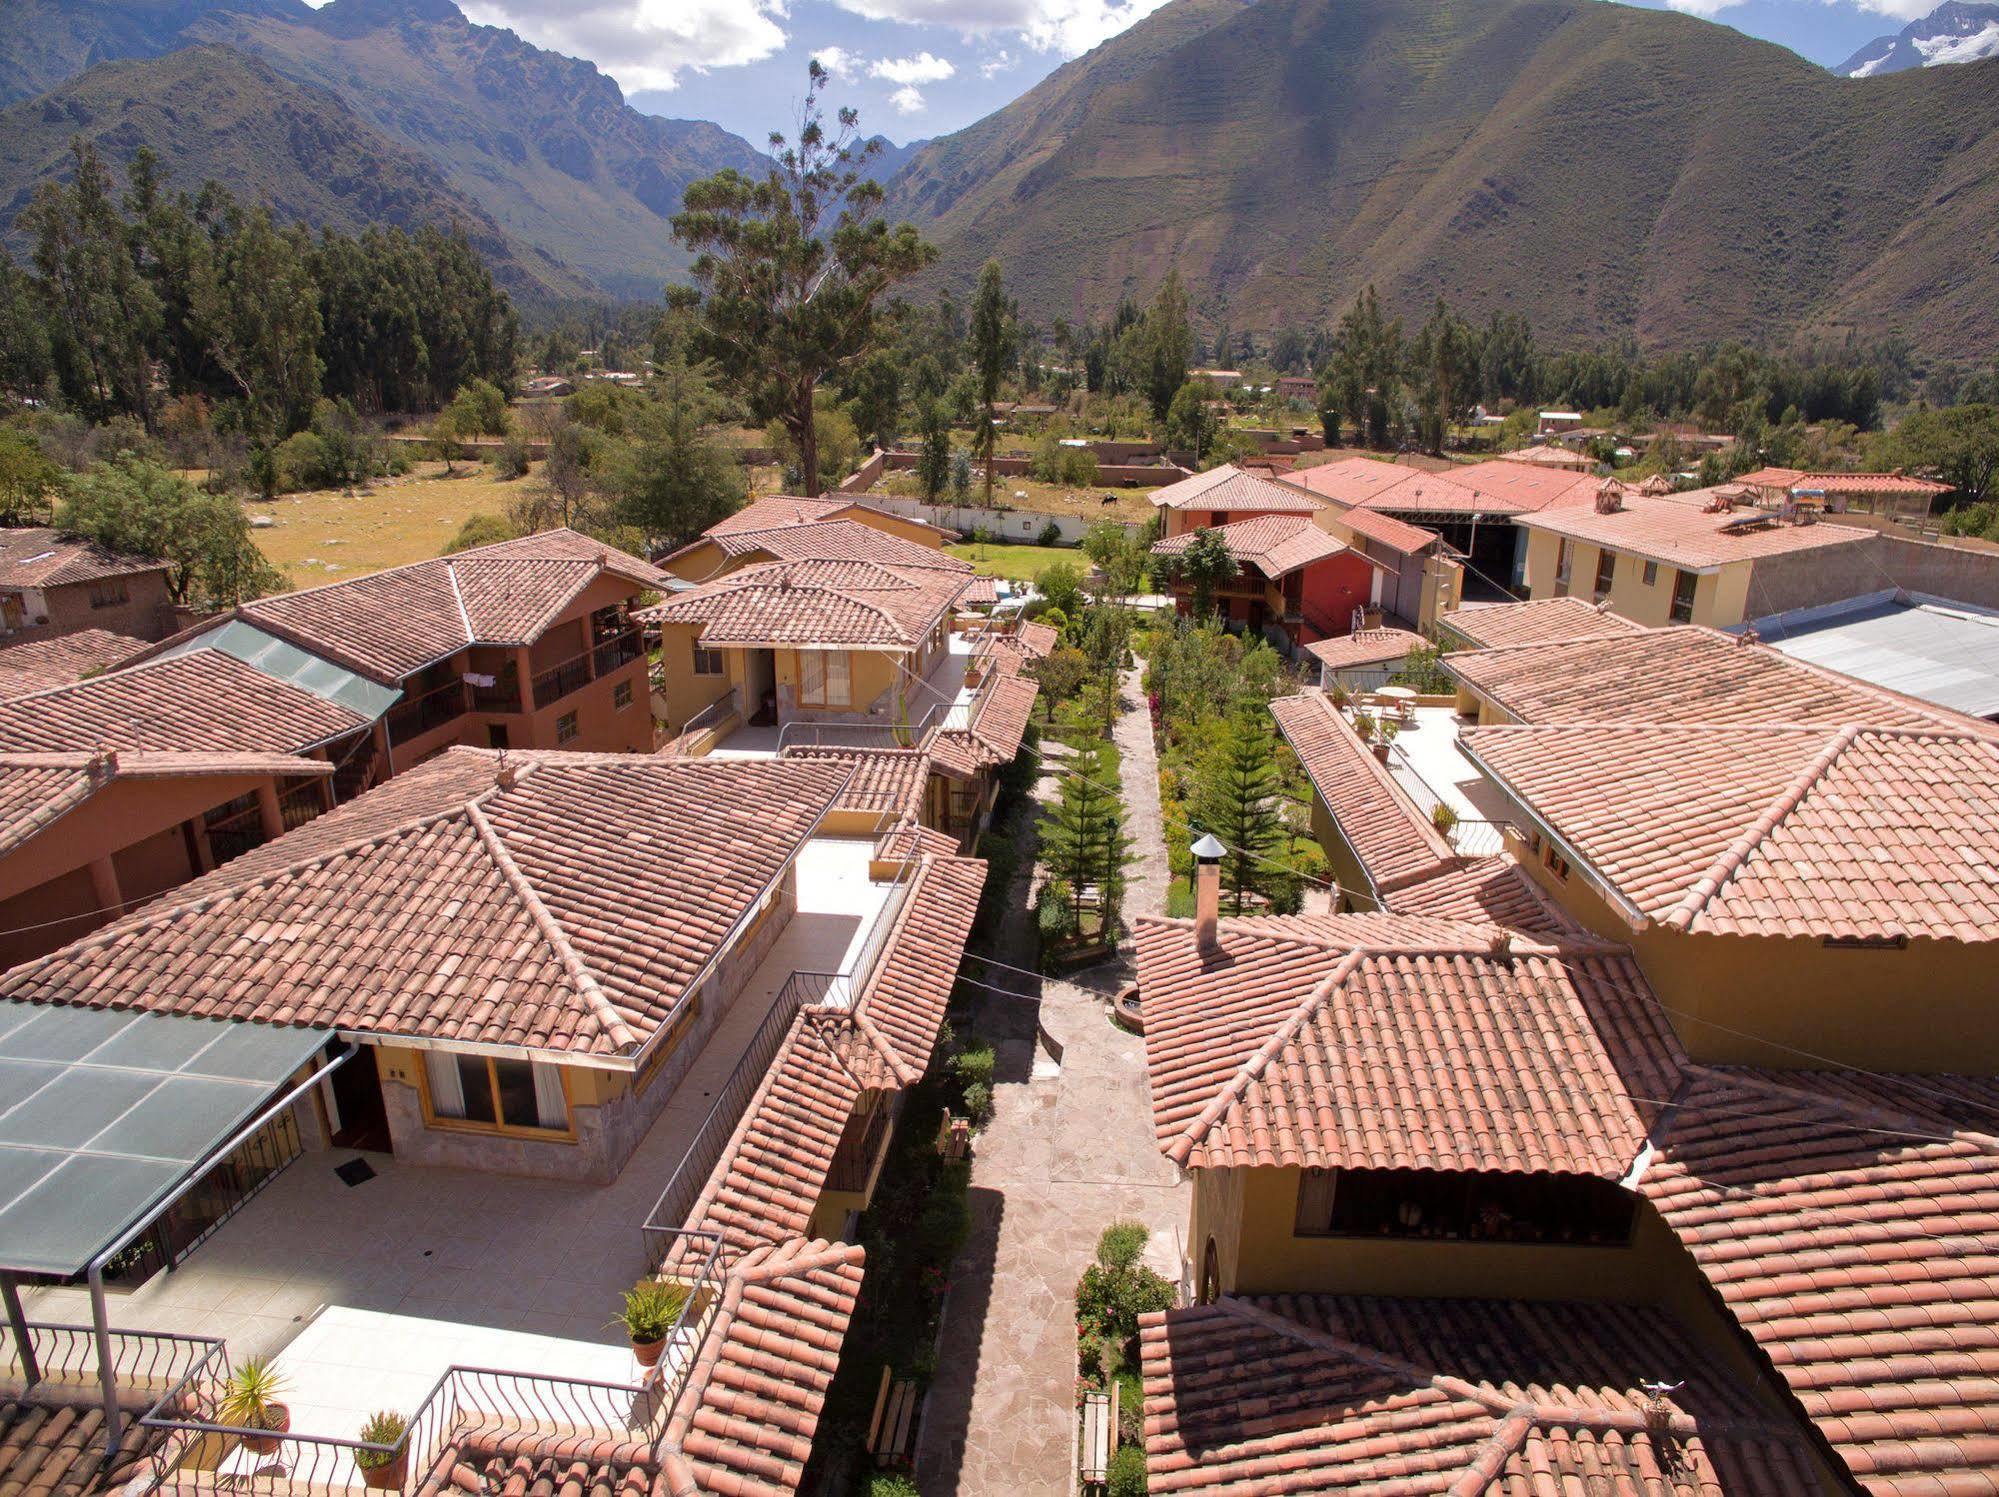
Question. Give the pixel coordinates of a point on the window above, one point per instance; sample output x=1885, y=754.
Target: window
x=483, y=1091
x=707, y=662
x=621, y=695
x=1562, y=560
x=496, y=735
x=565, y=727
x=1684, y=584
x=1555, y=862
x=825, y=679
x=109, y=593
x=1606, y=568
x=1651, y=574
x=1464, y=1206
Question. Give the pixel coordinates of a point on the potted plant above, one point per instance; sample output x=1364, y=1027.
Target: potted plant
x=1363, y=727
x=1385, y=732
x=1444, y=818
x=651, y=1307
x=384, y=1469
x=250, y=1401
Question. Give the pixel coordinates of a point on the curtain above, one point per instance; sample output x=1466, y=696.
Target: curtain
x=812, y=676
x=838, y=687
x=551, y=1107
x=1315, y=1202
x=447, y=1093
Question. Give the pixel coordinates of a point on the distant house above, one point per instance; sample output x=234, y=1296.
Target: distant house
x=1553, y=423
x=33, y=665
x=1298, y=387
x=53, y=584
x=1895, y=494
x=547, y=387
x=1217, y=379
x=1292, y=578
x=780, y=527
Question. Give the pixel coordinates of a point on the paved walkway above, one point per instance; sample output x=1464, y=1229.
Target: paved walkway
x=1149, y=875
x=1064, y=1156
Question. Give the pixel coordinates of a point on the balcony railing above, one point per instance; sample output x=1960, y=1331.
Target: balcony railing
x=620, y=649
x=554, y=684
x=433, y=709
x=504, y=695
x=66, y=1355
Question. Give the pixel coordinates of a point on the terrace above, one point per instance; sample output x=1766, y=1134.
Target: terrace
x=367, y=1292
x=1427, y=762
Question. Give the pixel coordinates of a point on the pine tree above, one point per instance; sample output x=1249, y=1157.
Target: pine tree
x=1236, y=791
x=1083, y=840
x=995, y=339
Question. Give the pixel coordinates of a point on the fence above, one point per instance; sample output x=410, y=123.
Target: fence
x=66, y=1355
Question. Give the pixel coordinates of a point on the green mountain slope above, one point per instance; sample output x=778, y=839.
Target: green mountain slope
x=211, y=113
x=1601, y=168
x=544, y=144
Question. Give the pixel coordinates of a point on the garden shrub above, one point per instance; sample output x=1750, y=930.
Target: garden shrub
x=1130, y=1408
x=1110, y=1300
x=1126, y=1477
x=884, y=1485
x=299, y=462
x=1120, y=1244
x=979, y=1103
x=974, y=1063
x=946, y=1217
x=1051, y=535
x=511, y=461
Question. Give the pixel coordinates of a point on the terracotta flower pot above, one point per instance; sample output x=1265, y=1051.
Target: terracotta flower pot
x=385, y=1477
x=278, y=1420
x=648, y=1352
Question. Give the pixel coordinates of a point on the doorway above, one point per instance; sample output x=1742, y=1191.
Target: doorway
x=760, y=689
x=363, y=1114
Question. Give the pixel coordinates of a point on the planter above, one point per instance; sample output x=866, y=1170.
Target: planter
x=387, y=1477
x=1380, y=751
x=648, y=1352
x=278, y=1420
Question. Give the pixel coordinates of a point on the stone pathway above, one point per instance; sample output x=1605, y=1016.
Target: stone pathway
x=1149, y=876
x=1064, y=1156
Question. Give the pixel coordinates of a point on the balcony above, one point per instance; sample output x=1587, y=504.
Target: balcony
x=620, y=649
x=413, y=718
x=552, y=686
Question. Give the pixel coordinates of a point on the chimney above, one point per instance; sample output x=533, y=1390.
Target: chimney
x=104, y=766
x=1207, y=890
x=505, y=775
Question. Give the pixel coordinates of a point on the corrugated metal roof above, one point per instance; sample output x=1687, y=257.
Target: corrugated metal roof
x=1940, y=651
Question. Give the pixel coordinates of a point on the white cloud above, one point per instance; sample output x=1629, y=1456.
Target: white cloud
x=1068, y=27
x=644, y=44
x=1707, y=10
x=1900, y=10
x=838, y=60
x=922, y=68
x=907, y=100
x=998, y=63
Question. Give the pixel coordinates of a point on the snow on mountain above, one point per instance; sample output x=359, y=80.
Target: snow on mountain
x=1953, y=32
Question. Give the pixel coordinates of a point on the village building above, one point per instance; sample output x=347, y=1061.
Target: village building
x=1364, y=659
x=34, y=665
x=1542, y=621
x=53, y=584
x=1895, y=495
x=779, y=528
x=1293, y=579
x=1942, y=652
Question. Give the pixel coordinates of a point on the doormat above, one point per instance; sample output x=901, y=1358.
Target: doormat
x=354, y=1171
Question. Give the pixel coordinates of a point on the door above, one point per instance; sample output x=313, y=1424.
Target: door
x=363, y=1121
x=761, y=688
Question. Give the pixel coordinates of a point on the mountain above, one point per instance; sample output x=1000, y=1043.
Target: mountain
x=210, y=112
x=545, y=144
x=1603, y=169
x=889, y=158
x=1953, y=32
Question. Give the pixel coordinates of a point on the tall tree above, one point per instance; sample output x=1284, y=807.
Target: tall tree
x=1236, y=789
x=1207, y=566
x=674, y=479
x=1083, y=838
x=933, y=464
x=1362, y=379
x=791, y=271
x=142, y=509
x=1446, y=369
x=995, y=338
x=1961, y=444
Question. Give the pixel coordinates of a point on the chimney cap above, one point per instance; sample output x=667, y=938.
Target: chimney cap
x=1208, y=850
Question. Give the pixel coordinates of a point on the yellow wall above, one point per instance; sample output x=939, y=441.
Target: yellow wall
x=869, y=674
x=1719, y=597
x=1933, y=1006
x=687, y=693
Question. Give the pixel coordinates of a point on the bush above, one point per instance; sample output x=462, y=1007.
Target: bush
x=480, y=530
x=511, y=461
x=979, y=1103
x=1126, y=1477
x=1053, y=917
x=1051, y=535
x=1121, y=1243
x=946, y=1218
x=974, y=1063
x=299, y=462
x=1130, y=1409
x=883, y=1485
x=1110, y=1300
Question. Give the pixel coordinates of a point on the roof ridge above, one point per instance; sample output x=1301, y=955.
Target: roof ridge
x=1426, y=829
x=601, y=1007
x=1731, y=858
x=458, y=597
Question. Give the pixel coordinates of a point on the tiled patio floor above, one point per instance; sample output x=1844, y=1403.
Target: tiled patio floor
x=424, y=1267
x=1428, y=763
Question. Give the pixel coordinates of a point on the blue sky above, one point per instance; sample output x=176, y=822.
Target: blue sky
x=921, y=68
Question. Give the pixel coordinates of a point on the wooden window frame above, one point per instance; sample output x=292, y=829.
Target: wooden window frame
x=574, y=731
x=433, y=1119
x=1693, y=596
x=1606, y=572
x=709, y=662
x=622, y=695
x=823, y=699
x=1564, y=562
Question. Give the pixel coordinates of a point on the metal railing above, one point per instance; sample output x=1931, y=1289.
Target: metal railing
x=433, y=709
x=619, y=649
x=559, y=681
x=504, y=695
x=67, y=1354
x=723, y=707
x=684, y=1186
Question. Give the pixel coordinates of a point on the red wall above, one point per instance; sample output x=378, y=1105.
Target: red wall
x=1334, y=588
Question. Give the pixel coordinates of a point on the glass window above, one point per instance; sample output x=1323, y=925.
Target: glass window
x=707, y=662
x=621, y=695
x=475, y=1088
x=1651, y=574
x=1562, y=560
x=839, y=685
x=1606, y=568
x=565, y=727
x=514, y=1080
x=1684, y=584
x=505, y=1093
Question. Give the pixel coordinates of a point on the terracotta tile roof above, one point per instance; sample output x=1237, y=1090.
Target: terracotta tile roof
x=1487, y=891
x=1492, y=488
x=1863, y=483
x=1394, y=841
x=980, y=592
x=1398, y=1042
x=567, y=1474
x=905, y=998
x=773, y=510
x=1682, y=675
x=1227, y=489
x=1836, y=832
x=43, y=664
x=203, y=700
x=1397, y=535
x=1275, y=545
x=569, y=913
x=1365, y=647
x=37, y=790
x=1324, y=1393
x=827, y=603
x=388, y=624
x=744, y=1424
x=53, y=1450
x=1353, y=481
x=888, y=782
x=1038, y=640
x=38, y=557
x=1680, y=532
x=998, y=725
x=1849, y=1223
x=1539, y=621
x=838, y=540
x=1771, y=478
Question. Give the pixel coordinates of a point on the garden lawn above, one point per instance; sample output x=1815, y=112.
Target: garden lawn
x=995, y=560
x=329, y=536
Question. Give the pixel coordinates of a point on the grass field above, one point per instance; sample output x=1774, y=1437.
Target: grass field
x=1031, y=493
x=327, y=535
x=994, y=560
